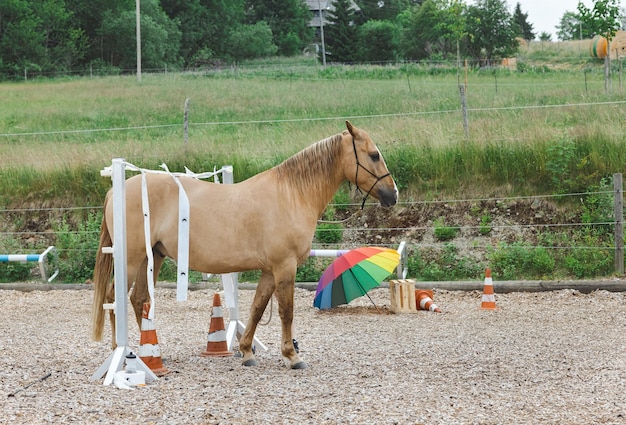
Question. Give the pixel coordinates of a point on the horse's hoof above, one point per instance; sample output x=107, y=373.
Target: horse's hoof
x=250, y=362
x=299, y=365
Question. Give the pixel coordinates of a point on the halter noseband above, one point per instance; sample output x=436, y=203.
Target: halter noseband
x=356, y=175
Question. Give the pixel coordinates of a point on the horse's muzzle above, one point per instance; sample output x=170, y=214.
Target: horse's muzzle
x=387, y=198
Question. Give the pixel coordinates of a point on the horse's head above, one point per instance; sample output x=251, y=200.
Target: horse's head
x=366, y=168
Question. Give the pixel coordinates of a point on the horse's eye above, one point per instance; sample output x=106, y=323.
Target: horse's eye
x=375, y=156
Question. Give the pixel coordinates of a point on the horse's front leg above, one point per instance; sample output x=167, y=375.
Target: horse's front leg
x=285, y=295
x=263, y=293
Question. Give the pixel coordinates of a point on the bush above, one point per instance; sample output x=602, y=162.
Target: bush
x=329, y=233
x=443, y=232
x=589, y=262
x=312, y=269
x=169, y=272
x=77, y=248
x=485, y=224
x=13, y=271
x=521, y=260
x=449, y=265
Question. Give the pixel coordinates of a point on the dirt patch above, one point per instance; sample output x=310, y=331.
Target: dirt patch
x=357, y=310
x=478, y=223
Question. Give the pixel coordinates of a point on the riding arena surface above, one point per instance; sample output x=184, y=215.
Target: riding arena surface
x=540, y=358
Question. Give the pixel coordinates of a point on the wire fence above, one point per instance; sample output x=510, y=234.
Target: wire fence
x=47, y=236
x=312, y=119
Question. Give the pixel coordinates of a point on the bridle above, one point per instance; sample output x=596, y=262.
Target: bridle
x=356, y=175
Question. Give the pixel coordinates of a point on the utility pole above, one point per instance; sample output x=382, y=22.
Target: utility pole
x=138, y=25
x=319, y=7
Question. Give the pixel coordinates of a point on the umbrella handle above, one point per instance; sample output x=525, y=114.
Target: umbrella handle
x=364, y=291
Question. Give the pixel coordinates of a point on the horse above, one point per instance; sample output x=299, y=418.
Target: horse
x=265, y=223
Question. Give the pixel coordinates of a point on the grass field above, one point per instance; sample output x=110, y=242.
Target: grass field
x=258, y=116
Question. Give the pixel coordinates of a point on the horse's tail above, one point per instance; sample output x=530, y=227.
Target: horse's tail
x=101, y=278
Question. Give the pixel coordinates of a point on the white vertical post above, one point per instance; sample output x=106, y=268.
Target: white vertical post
x=115, y=362
x=403, y=269
x=618, y=210
x=119, y=251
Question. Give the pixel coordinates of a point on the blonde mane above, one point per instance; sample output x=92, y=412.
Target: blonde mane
x=303, y=170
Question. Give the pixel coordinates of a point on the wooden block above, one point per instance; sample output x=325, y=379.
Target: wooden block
x=402, y=293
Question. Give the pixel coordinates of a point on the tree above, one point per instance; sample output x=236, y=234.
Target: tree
x=454, y=26
x=378, y=41
x=491, y=31
x=571, y=28
x=380, y=10
x=88, y=16
x=522, y=27
x=420, y=34
x=39, y=35
x=604, y=20
x=160, y=38
x=433, y=29
x=341, y=33
x=545, y=36
x=288, y=19
x=21, y=41
x=251, y=41
x=205, y=26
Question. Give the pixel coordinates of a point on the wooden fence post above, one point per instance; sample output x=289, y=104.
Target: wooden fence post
x=618, y=212
x=186, y=124
x=464, y=110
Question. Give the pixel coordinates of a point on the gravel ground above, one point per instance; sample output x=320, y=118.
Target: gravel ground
x=540, y=358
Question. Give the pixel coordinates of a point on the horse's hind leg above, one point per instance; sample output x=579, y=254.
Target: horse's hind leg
x=285, y=289
x=263, y=293
x=140, y=292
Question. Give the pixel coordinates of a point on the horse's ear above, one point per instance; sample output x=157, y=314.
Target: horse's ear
x=352, y=129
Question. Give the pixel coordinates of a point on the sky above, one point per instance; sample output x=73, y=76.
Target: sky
x=545, y=15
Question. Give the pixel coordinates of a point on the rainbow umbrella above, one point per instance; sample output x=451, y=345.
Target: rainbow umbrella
x=353, y=274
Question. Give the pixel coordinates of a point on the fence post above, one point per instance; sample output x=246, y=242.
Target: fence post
x=618, y=212
x=464, y=110
x=619, y=59
x=186, y=124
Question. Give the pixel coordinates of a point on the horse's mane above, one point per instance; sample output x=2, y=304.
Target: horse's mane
x=316, y=162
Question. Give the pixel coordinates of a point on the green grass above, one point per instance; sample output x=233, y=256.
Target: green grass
x=54, y=127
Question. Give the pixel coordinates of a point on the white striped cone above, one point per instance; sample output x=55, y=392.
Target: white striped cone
x=217, y=345
x=149, y=350
x=424, y=301
x=489, y=298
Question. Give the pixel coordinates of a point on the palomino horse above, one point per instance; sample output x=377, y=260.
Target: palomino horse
x=266, y=223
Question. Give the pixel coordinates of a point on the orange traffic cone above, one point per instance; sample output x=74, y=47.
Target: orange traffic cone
x=217, y=345
x=489, y=299
x=424, y=301
x=149, y=351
